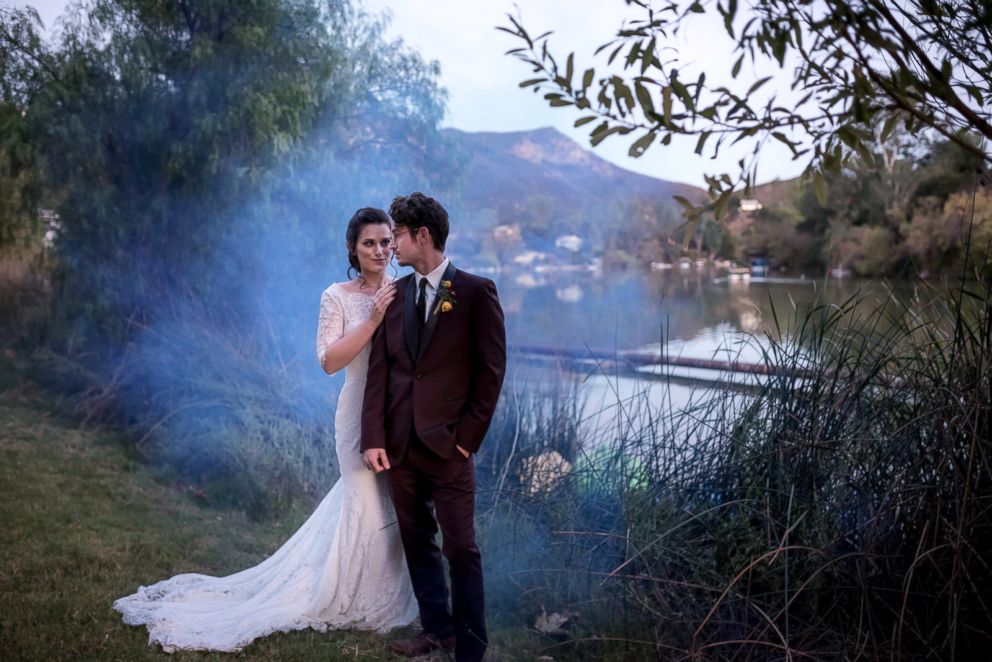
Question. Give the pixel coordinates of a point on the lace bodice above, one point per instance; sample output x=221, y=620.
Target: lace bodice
x=340, y=312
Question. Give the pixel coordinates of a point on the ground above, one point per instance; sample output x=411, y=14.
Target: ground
x=84, y=523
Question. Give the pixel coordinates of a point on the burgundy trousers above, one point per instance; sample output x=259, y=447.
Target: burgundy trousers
x=420, y=480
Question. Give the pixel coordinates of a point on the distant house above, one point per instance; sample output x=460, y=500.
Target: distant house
x=750, y=205
x=759, y=266
x=569, y=242
x=53, y=225
x=528, y=258
x=571, y=294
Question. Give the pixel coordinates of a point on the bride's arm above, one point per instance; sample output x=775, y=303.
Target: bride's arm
x=336, y=349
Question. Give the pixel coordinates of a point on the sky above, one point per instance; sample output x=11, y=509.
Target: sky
x=482, y=81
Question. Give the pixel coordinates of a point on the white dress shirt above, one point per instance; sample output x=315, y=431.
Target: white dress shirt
x=433, y=283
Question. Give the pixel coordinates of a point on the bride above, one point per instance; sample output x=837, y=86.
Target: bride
x=344, y=568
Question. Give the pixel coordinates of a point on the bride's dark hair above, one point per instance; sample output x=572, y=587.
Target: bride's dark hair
x=364, y=216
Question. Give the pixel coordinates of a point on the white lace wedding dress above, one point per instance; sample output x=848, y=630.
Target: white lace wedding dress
x=344, y=568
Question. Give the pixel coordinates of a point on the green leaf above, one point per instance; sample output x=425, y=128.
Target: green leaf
x=778, y=47
x=702, y=141
x=532, y=81
x=648, y=56
x=686, y=205
x=875, y=39
x=666, y=104
x=781, y=137
x=887, y=128
x=847, y=135
x=641, y=145
x=691, y=225
x=945, y=71
x=820, y=188
x=643, y=97
x=603, y=135
x=684, y=95
x=737, y=66
x=622, y=93
x=584, y=120
x=722, y=202
x=587, y=78
x=633, y=54
x=757, y=85
x=600, y=128
x=613, y=55
x=865, y=154
x=974, y=93
x=728, y=17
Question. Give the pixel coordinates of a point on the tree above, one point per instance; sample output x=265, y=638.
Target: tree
x=203, y=157
x=19, y=221
x=860, y=68
x=155, y=122
x=943, y=235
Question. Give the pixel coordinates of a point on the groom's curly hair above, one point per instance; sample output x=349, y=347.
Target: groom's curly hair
x=417, y=211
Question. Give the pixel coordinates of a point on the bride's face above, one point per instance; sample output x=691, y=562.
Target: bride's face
x=374, y=248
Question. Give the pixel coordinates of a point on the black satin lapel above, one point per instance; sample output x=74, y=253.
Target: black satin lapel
x=410, y=315
x=432, y=318
x=449, y=273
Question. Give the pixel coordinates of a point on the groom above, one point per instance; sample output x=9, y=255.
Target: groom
x=435, y=372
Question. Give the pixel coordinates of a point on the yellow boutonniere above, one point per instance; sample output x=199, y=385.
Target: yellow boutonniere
x=445, y=298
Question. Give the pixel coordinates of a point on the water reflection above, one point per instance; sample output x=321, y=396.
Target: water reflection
x=627, y=311
x=693, y=313
x=570, y=294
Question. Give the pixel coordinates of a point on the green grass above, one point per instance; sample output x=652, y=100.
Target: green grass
x=84, y=524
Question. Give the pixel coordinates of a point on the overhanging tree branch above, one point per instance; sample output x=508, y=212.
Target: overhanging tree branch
x=887, y=72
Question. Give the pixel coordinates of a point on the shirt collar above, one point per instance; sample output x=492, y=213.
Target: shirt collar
x=434, y=277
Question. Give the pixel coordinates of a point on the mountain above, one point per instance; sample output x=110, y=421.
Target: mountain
x=548, y=184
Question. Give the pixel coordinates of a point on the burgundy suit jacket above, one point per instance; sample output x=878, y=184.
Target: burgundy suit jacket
x=448, y=390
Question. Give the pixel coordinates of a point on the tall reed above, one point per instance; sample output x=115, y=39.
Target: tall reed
x=841, y=511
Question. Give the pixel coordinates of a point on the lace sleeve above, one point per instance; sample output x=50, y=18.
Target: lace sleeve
x=330, y=326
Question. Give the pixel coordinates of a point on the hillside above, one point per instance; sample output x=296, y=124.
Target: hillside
x=549, y=184
x=778, y=192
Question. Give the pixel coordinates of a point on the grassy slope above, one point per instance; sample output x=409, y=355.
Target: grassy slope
x=84, y=524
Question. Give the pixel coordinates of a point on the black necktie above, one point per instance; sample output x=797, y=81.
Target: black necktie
x=422, y=304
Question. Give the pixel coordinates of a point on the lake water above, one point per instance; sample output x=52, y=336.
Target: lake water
x=630, y=311
x=693, y=313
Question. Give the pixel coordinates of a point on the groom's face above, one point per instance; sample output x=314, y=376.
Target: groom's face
x=408, y=245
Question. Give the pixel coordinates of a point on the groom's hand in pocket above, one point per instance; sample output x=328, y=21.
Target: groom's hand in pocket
x=376, y=459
